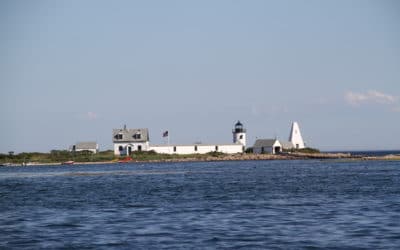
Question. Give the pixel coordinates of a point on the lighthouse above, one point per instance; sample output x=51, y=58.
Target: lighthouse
x=239, y=134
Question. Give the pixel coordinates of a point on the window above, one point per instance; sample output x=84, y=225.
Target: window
x=241, y=137
x=137, y=136
x=118, y=137
x=174, y=149
x=120, y=148
x=216, y=148
x=139, y=148
x=195, y=148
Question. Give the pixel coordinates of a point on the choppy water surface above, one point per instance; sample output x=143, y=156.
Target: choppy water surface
x=258, y=204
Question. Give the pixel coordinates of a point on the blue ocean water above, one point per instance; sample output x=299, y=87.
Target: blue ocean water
x=205, y=205
x=369, y=152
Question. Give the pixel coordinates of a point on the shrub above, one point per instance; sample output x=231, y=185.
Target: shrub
x=215, y=154
x=305, y=150
x=249, y=150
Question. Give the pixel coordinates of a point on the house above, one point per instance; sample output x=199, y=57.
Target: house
x=85, y=146
x=128, y=140
x=271, y=146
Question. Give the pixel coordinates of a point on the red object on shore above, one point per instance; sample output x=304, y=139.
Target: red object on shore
x=68, y=163
x=126, y=159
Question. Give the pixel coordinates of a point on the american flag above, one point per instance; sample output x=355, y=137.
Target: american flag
x=165, y=134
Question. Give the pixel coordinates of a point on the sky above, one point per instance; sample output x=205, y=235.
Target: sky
x=72, y=71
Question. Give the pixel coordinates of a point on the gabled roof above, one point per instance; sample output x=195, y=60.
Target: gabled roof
x=86, y=145
x=131, y=135
x=264, y=143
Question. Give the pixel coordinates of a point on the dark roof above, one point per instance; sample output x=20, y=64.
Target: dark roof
x=264, y=143
x=86, y=145
x=131, y=135
x=238, y=124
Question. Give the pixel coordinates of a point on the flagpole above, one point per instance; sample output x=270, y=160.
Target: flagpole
x=169, y=149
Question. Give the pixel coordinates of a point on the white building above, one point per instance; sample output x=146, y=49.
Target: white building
x=85, y=146
x=271, y=146
x=295, y=136
x=128, y=140
x=239, y=134
x=198, y=148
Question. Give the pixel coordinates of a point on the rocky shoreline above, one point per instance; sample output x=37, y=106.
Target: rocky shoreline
x=238, y=157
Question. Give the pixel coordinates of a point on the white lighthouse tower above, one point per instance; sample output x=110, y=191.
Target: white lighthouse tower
x=295, y=136
x=239, y=134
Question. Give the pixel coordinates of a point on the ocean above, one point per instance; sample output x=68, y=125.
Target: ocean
x=369, y=152
x=304, y=204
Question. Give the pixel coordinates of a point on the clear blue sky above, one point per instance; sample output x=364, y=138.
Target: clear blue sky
x=74, y=70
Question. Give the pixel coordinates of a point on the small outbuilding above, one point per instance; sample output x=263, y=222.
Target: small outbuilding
x=85, y=146
x=271, y=146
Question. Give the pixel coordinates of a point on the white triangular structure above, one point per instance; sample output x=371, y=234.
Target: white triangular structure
x=295, y=136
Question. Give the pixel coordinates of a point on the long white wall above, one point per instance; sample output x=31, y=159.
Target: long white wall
x=197, y=149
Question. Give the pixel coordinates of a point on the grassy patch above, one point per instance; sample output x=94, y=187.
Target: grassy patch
x=57, y=156
x=153, y=156
x=304, y=150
